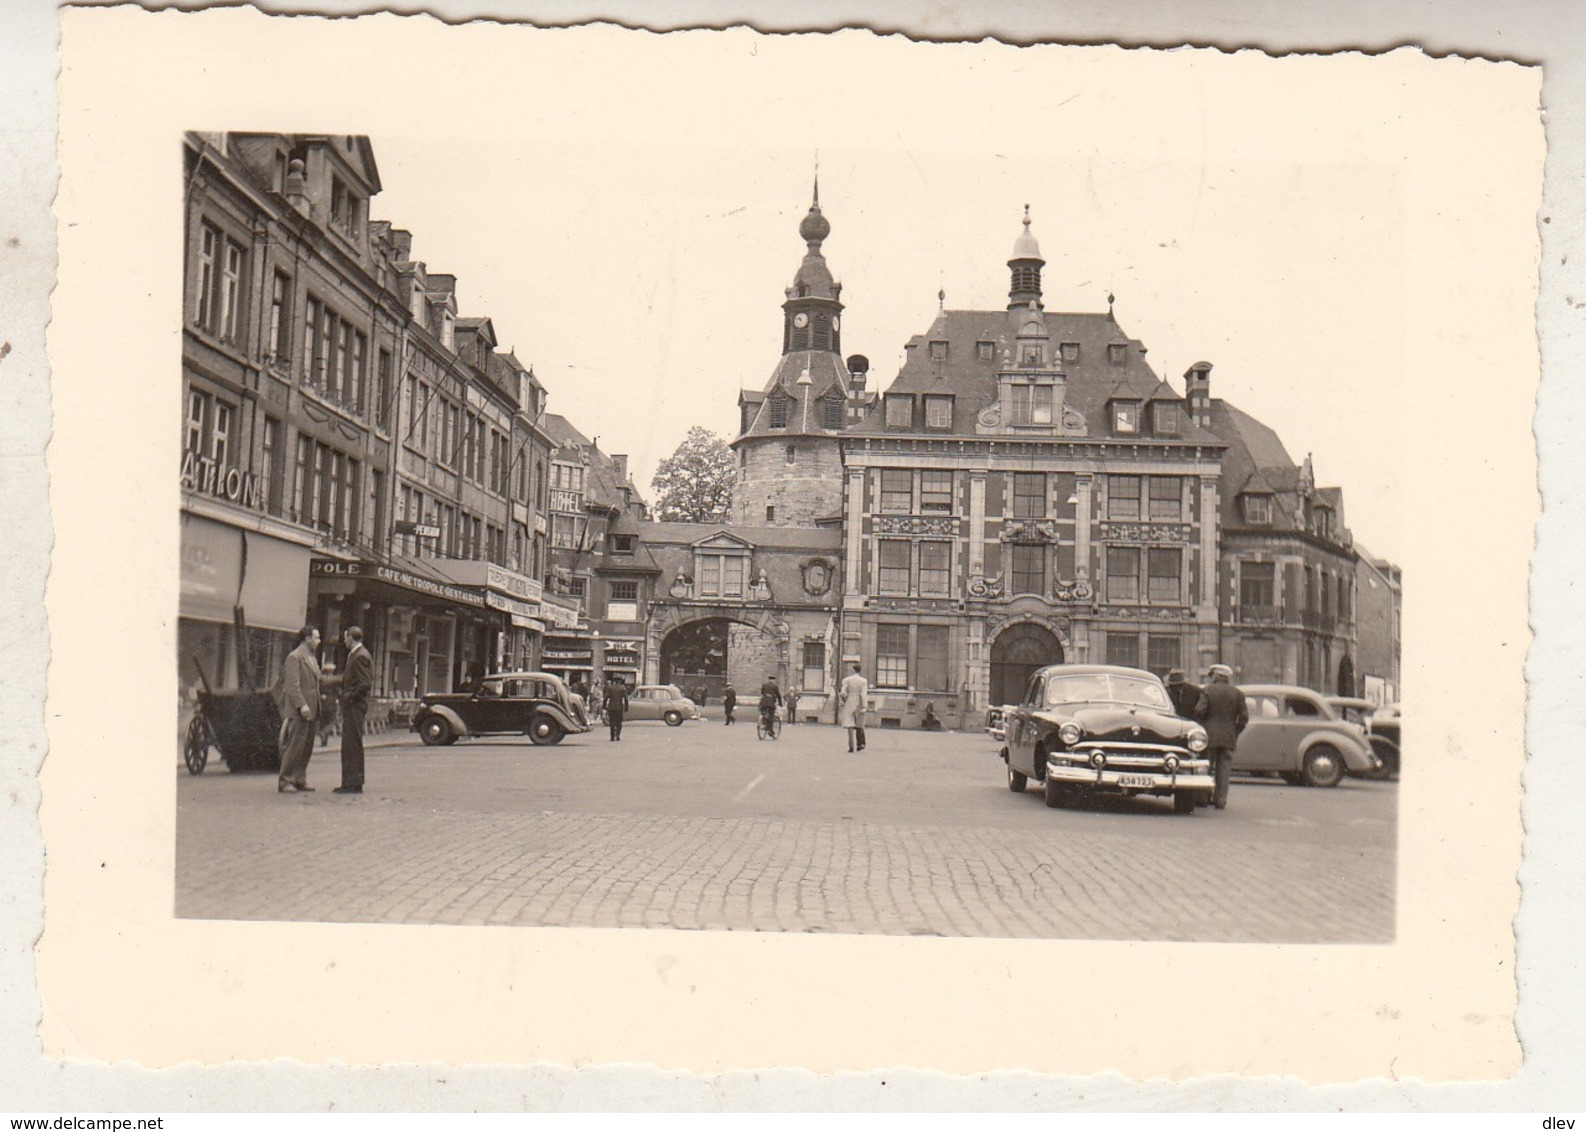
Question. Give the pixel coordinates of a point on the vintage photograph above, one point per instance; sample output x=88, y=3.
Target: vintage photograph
x=729, y=531
x=994, y=626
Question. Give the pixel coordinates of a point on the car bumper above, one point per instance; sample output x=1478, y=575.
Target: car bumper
x=1129, y=781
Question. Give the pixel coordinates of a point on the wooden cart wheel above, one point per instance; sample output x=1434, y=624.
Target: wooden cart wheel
x=195, y=751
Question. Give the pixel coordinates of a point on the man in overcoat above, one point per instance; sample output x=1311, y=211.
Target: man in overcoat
x=356, y=684
x=1221, y=710
x=300, y=688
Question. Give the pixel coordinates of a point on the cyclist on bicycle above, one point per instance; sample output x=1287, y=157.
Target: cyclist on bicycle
x=770, y=700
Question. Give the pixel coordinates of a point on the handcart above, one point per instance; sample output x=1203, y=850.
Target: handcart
x=243, y=726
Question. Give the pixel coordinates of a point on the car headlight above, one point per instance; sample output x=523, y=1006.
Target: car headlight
x=1070, y=733
x=1197, y=740
x=1171, y=763
x=1098, y=760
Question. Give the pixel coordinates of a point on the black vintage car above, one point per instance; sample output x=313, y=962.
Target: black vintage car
x=536, y=704
x=1101, y=729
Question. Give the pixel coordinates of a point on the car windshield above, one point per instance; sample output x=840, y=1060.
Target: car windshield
x=1105, y=688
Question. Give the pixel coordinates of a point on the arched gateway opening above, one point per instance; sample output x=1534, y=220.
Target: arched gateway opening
x=702, y=656
x=1015, y=655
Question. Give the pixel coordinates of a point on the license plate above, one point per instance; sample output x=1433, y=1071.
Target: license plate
x=1143, y=780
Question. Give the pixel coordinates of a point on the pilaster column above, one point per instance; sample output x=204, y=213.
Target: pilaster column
x=1211, y=567
x=1083, y=484
x=854, y=526
x=977, y=523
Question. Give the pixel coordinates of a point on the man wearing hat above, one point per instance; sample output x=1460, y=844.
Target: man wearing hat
x=1221, y=710
x=1183, y=694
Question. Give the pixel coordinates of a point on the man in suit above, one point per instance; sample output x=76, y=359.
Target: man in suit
x=1222, y=711
x=357, y=681
x=300, y=686
x=616, y=706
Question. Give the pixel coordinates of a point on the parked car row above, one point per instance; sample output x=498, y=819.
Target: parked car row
x=1105, y=729
x=536, y=704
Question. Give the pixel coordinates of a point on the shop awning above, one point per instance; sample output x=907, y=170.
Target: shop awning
x=224, y=566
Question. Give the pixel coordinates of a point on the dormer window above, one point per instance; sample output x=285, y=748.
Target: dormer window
x=779, y=411
x=1030, y=402
x=985, y=351
x=1166, y=418
x=1126, y=417
x=620, y=544
x=1257, y=509
x=832, y=413
x=900, y=410
x=1115, y=353
x=938, y=412
x=938, y=351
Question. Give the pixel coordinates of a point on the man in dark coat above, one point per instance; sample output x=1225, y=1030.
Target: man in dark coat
x=1221, y=710
x=356, y=684
x=300, y=688
x=616, y=706
x=729, y=701
x=1185, y=696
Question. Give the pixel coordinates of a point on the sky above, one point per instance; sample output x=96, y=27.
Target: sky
x=636, y=256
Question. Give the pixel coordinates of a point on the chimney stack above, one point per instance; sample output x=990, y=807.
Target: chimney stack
x=1198, y=393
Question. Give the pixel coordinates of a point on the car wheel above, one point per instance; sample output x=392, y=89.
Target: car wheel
x=1054, y=794
x=195, y=752
x=1324, y=766
x=673, y=718
x=436, y=732
x=545, y=731
x=1017, y=780
x=1388, y=751
x=1184, y=802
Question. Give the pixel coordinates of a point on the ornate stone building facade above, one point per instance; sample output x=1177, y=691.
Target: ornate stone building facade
x=1026, y=490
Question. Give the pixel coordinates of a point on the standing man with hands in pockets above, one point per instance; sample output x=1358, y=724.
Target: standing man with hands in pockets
x=300, y=684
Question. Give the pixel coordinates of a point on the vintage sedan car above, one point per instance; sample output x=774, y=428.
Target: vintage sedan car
x=1295, y=734
x=1381, y=730
x=1087, y=729
x=661, y=701
x=996, y=718
x=536, y=704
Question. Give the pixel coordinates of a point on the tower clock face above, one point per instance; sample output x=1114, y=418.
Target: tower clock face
x=801, y=320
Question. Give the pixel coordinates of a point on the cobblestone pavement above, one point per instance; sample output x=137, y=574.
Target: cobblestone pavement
x=701, y=827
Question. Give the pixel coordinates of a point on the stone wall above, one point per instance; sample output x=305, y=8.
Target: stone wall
x=808, y=489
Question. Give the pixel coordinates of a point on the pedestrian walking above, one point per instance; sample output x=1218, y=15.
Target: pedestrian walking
x=701, y=694
x=616, y=706
x=792, y=702
x=356, y=684
x=300, y=687
x=1185, y=696
x=930, y=722
x=729, y=700
x=851, y=712
x=1221, y=709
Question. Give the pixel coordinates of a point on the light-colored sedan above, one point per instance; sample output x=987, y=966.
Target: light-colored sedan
x=661, y=701
x=1296, y=735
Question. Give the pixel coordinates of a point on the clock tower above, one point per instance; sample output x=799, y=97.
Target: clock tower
x=789, y=442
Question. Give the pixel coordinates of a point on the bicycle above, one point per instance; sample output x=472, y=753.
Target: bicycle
x=767, y=724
